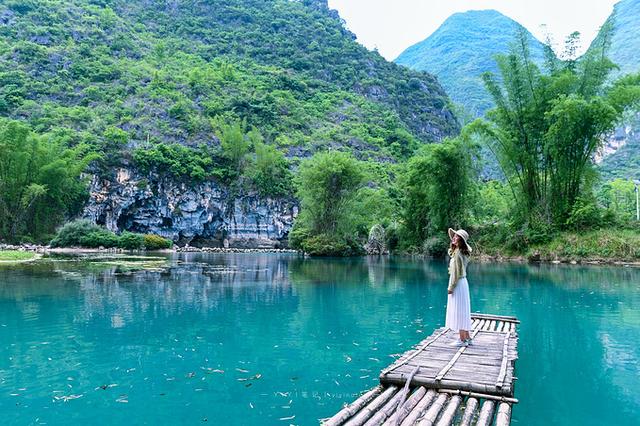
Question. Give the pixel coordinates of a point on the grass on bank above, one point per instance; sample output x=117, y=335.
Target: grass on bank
x=16, y=255
x=609, y=244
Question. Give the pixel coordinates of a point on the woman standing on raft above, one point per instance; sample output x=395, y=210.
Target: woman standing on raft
x=458, y=303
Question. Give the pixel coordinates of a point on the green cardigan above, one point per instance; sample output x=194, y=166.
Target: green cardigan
x=457, y=267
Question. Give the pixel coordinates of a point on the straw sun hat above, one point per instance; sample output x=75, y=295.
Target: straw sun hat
x=462, y=234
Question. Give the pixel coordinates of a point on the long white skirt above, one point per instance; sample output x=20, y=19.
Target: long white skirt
x=459, y=307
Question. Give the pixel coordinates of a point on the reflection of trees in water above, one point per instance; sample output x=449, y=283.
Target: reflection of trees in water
x=197, y=286
x=373, y=271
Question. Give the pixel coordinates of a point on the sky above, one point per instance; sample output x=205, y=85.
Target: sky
x=393, y=25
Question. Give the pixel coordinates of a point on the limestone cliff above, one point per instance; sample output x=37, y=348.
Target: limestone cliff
x=202, y=214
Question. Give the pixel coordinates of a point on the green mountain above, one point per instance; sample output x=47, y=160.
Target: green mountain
x=463, y=48
x=624, y=162
x=126, y=74
x=625, y=42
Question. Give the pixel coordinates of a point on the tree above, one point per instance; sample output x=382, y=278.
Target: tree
x=327, y=185
x=436, y=188
x=270, y=173
x=546, y=127
x=40, y=181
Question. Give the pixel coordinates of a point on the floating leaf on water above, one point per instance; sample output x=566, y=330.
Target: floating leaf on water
x=287, y=418
x=250, y=405
x=66, y=398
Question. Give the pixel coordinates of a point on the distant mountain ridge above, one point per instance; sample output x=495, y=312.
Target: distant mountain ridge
x=624, y=51
x=463, y=48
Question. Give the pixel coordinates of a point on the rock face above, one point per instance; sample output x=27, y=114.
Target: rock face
x=203, y=214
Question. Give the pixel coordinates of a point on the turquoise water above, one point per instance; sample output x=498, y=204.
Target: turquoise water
x=259, y=339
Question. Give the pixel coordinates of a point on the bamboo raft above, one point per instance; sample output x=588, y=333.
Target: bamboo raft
x=436, y=383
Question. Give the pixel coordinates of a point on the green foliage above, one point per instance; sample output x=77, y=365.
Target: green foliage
x=156, y=242
x=326, y=185
x=72, y=232
x=330, y=245
x=337, y=209
x=130, y=241
x=545, y=128
x=84, y=233
x=119, y=74
x=270, y=173
x=493, y=202
x=585, y=214
x=619, y=196
x=40, y=181
x=436, y=188
x=176, y=160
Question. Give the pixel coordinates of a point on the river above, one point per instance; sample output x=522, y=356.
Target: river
x=253, y=339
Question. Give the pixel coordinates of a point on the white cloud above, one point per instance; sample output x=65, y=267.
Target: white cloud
x=393, y=25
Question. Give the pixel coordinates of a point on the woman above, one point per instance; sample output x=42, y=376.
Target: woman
x=458, y=304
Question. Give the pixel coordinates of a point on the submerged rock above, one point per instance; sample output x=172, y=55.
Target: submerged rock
x=198, y=214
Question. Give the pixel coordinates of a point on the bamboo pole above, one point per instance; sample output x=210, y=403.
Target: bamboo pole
x=431, y=415
x=403, y=411
x=486, y=413
x=414, y=414
x=450, y=411
x=428, y=382
x=348, y=411
x=503, y=365
x=503, y=418
x=469, y=411
x=480, y=395
x=492, y=316
x=386, y=411
x=366, y=412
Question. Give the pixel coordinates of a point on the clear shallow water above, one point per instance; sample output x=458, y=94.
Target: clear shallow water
x=253, y=339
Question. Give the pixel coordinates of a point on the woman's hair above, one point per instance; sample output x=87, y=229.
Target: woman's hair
x=462, y=246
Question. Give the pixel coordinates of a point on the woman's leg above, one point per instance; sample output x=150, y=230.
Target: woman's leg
x=462, y=334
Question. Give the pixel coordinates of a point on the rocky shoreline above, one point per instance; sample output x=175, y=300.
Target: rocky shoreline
x=186, y=249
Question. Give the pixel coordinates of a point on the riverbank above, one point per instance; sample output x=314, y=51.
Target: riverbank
x=594, y=247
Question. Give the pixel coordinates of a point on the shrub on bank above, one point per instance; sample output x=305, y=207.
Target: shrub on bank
x=84, y=233
x=71, y=234
x=156, y=242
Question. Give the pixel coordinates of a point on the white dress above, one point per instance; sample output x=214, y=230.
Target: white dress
x=459, y=307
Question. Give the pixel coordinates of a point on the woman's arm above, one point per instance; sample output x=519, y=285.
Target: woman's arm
x=456, y=272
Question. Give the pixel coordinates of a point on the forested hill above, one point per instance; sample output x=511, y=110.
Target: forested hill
x=625, y=43
x=463, y=48
x=623, y=50
x=119, y=74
